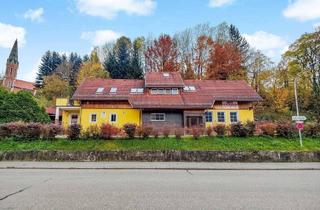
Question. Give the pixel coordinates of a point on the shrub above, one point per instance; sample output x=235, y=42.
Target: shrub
x=155, y=133
x=179, y=132
x=50, y=131
x=5, y=132
x=166, y=132
x=220, y=130
x=312, y=130
x=74, y=131
x=130, y=130
x=251, y=127
x=92, y=132
x=32, y=131
x=268, y=129
x=108, y=131
x=139, y=131
x=241, y=130
x=285, y=129
x=196, y=132
x=146, y=131
x=209, y=131
x=17, y=130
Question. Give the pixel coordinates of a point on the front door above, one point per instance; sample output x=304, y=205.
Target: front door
x=194, y=121
x=74, y=119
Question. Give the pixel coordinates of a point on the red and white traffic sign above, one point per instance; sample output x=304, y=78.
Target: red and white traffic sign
x=299, y=125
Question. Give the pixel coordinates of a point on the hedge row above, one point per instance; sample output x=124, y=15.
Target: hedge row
x=30, y=131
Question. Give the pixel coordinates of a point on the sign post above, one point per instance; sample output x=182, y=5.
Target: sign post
x=299, y=119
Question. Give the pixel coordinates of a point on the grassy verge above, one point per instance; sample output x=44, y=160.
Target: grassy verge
x=188, y=144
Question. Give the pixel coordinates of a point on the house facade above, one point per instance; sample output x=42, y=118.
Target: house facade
x=161, y=99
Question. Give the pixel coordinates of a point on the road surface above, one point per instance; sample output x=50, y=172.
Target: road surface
x=32, y=188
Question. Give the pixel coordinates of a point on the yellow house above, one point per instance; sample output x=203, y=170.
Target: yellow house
x=161, y=100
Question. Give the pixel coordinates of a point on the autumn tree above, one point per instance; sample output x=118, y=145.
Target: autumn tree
x=304, y=56
x=162, y=55
x=202, y=54
x=54, y=87
x=224, y=60
x=91, y=69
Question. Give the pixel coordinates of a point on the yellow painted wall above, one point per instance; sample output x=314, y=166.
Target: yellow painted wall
x=123, y=116
x=243, y=116
x=62, y=101
x=66, y=117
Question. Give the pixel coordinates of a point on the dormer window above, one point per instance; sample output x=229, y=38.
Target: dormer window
x=189, y=88
x=136, y=90
x=166, y=74
x=113, y=90
x=99, y=90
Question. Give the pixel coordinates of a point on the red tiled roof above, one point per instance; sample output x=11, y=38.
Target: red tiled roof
x=206, y=92
x=24, y=85
x=225, y=90
x=87, y=90
x=156, y=101
x=158, y=79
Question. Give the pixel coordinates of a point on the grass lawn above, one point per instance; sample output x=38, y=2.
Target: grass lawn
x=187, y=144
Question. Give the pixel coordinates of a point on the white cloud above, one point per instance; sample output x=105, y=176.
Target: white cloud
x=108, y=9
x=270, y=44
x=316, y=25
x=303, y=10
x=100, y=37
x=34, y=14
x=31, y=75
x=220, y=3
x=10, y=33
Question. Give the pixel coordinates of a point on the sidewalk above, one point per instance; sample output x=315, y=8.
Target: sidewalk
x=159, y=165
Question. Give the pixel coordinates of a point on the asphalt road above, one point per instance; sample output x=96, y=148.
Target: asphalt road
x=158, y=189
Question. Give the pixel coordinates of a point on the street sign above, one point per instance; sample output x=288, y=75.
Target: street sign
x=299, y=118
x=299, y=125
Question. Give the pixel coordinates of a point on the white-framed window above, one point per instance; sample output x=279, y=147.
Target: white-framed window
x=93, y=118
x=221, y=117
x=175, y=91
x=154, y=91
x=113, y=118
x=113, y=90
x=99, y=90
x=133, y=90
x=233, y=117
x=157, y=117
x=208, y=116
x=162, y=91
x=139, y=90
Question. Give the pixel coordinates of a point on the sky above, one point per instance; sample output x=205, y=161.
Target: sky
x=78, y=25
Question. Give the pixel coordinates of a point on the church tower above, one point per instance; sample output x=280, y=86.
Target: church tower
x=12, y=67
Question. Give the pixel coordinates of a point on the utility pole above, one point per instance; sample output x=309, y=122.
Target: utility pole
x=297, y=106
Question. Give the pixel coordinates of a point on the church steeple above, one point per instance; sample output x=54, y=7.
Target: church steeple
x=13, y=57
x=12, y=67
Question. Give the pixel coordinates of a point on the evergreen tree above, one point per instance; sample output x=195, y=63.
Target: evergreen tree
x=20, y=106
x=136, y=71
x=239, y=42
x=118, y=63
x=49, y=62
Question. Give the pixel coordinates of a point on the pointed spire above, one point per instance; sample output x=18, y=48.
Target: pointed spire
x=13, y=57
